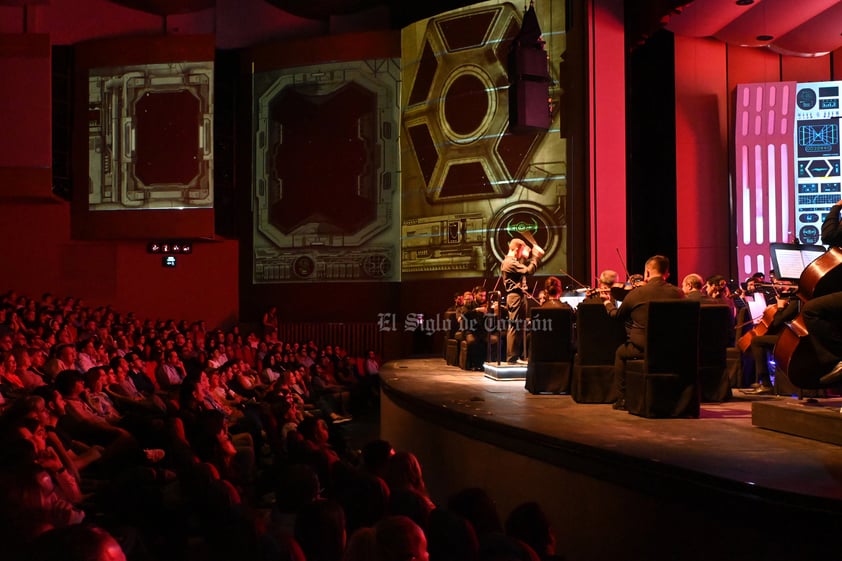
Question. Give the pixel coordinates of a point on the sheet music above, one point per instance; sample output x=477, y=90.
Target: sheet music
x=810, y=256
x=573, y=301
x=756, y=305
x=790, y=263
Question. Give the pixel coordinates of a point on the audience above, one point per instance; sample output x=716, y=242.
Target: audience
x=131, y=438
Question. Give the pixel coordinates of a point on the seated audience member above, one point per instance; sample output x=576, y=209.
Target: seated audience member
x=476, y=506
x=138, y=374
x=450, y=537
x=82, y=423
x=271, y=371
x=28, y=363
x=171, y=373
x=310, y=444
x=329, y=396
x=86, y=357
x=30, y=505
x=361, y=546
x=125, y=393
x=10, y=383
x=403, y=473
x=375, y=457
x=95, y=382
x=364, y=497
x=320, y=530
x=296, y=486
x=82, y=542
x=213, y=444
x=67, y=485
x=79, y=454
x=397, y=538
x=496, y=547
x=529, y=523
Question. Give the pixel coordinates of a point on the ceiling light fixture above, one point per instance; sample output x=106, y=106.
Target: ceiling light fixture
x=764, y=37
x=745, y=2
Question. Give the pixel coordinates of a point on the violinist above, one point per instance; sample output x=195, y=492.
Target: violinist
x=606, y=281
x=553, y=290
x=635, y=313
x=692, y=285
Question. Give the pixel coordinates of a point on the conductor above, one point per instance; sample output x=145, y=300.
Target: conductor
x=518, y=263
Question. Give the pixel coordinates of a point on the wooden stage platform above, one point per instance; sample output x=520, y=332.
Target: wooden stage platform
x=618, y=486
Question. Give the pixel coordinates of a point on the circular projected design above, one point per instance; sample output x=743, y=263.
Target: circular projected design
x=809, y=235
x=304, y=266
x=466, y=105
x=515, y=219
x=377, y=266
x=806, y=99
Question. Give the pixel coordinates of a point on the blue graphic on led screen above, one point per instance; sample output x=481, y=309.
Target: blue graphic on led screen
x=818, y=138
x=818, y=163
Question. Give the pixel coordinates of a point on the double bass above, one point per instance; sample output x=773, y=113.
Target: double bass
x=794, y=352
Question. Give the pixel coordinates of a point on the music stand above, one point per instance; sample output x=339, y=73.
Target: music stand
x=789, y=259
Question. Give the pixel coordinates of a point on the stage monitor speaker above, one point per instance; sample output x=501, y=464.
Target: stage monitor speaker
x=529, y=107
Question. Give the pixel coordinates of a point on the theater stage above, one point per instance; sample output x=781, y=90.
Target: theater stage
x=615, y=485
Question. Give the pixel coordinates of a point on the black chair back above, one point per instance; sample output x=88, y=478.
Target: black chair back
x=715, y=329
x=666, y=382
x=551, y=330
x=672, y=337
x=598, y=335
x=714, y=334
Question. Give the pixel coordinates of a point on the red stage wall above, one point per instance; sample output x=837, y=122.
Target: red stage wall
x=706, y=77
x=701, y=158
x=25, y=67
x=608, y=143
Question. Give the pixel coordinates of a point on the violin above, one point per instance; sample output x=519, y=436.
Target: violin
x=617, y=290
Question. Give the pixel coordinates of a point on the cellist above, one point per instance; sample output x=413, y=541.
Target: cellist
x=823, y=314
x=786, y=309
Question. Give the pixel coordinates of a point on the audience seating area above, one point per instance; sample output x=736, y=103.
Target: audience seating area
x=175, y=440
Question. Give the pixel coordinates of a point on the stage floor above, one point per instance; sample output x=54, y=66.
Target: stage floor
x=721, y=449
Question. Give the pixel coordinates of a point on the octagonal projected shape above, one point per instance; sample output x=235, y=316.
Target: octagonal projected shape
x=335, y=134
x=465, y=119
x=326, y=172
x=150, y=136
x=167, y=146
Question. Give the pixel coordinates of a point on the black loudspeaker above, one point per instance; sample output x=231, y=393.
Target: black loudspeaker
x=529, y=79
x=529, y=107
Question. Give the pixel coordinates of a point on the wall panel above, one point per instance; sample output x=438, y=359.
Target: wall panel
x=701, y=157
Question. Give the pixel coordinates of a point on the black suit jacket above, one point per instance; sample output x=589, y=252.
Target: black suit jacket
x=634, y=311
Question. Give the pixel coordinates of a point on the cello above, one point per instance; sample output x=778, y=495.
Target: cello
x=760, y=328
x=794, y=353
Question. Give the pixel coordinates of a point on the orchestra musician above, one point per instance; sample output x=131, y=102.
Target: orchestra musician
x=553, y=290
x=823, y=315
x=519, y=262
x=786, y=309
x=692, y=285
x=606, y=281
x=635, y=313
